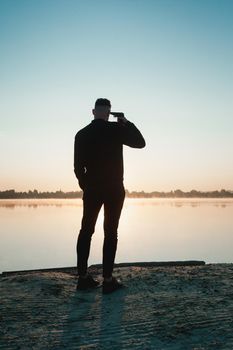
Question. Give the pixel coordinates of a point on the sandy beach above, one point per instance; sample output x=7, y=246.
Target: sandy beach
x=161, y=307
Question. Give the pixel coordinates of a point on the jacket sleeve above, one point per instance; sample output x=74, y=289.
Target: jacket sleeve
x=79, y=168
x=131, y=136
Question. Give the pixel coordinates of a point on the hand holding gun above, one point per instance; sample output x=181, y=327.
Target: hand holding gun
x=120, y=117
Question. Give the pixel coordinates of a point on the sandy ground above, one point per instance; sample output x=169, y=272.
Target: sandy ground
x=161, y=307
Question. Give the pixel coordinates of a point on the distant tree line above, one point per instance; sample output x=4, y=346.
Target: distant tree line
x=8, y=194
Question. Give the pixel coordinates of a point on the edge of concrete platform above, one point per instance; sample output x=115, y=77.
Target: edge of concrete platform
x=73, y=269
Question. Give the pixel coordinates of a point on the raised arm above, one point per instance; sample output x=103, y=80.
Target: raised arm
x=79, y=168
x=131, y=136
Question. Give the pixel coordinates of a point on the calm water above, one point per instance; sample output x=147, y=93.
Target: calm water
x=43, y=233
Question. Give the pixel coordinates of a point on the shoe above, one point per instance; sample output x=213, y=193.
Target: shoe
x=86, y=283
x=111, y=286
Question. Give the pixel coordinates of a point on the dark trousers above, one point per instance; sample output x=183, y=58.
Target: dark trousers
x=93, y=198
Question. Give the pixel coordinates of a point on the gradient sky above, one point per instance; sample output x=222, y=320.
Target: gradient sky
x=168, y=65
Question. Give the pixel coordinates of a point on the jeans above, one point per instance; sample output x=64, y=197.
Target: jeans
x=112, y=197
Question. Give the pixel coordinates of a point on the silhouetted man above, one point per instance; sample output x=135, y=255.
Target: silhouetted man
x=98, y=166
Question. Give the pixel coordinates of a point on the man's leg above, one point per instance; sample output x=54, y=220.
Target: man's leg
x=113, y=203
x=92, y=202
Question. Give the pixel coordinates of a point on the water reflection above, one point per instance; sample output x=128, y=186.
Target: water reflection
x=59, y=203
x=43, y=233
x=35, y=203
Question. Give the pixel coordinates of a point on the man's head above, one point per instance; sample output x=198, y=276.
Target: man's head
x=102, y=108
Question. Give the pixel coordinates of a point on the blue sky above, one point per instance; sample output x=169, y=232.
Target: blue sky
x=168, y=65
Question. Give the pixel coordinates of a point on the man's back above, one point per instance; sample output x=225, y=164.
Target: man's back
x=98, y=152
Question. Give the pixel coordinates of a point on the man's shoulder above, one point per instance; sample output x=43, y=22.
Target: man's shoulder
x=82, y=131
x=113, y=124
x=113, y=127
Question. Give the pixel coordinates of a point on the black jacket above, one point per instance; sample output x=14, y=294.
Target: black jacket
x=98, y=152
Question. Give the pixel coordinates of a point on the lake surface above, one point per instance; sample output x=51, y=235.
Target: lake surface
x=42, y=233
